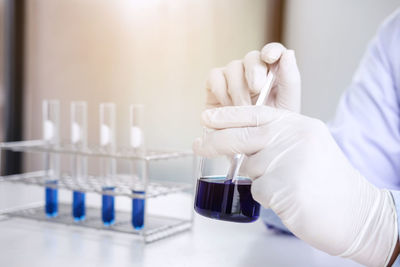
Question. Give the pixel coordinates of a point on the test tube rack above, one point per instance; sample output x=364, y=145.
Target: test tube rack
x=156, y=227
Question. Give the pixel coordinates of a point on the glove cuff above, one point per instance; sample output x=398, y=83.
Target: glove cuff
x=377, y=239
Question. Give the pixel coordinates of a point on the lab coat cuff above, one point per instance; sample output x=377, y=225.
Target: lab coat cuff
x=396, y=199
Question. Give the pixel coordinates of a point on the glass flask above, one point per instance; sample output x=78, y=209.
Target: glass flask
x=224, y=199
x=222, y=193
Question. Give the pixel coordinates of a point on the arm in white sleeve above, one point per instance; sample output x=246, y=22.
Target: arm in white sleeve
x=367, y=122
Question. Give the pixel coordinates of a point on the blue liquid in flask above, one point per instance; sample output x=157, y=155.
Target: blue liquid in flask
x=78, y=206
x=107, y=209
x=138, y=210
x=51, y=193
x=219, y=198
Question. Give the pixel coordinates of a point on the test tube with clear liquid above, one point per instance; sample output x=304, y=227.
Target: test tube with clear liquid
x=51, y=135
x=79, y=162
x=138, y=168
x=108, y=165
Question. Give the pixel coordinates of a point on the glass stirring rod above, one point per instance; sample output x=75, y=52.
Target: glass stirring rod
x=238, y=158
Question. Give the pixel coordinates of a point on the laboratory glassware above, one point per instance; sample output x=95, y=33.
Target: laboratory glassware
x=138, y=167
x=51, y=136
x=108, y=165
x=228, y=197
x=223, y=198
x=79, y=162
x=158, y=224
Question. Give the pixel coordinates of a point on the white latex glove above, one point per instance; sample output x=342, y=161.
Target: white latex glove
x=299, y=172
x=240, y=82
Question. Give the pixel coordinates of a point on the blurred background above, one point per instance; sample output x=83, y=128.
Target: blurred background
x=158, y=53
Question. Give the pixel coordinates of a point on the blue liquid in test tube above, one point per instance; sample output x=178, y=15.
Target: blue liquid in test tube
x=138, y=210
x=78, y=206
x=51, y=206
x=107, y=209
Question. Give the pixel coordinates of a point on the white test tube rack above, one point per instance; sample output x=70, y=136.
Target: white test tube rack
x=156, y=227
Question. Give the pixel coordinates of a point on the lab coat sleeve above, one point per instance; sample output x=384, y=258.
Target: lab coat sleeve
x=367, y=121
x=396, y=199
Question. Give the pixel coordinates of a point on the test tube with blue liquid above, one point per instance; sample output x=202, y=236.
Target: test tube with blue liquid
x=51, y=136
x=79, y=162
x=108, y=165
x=138, y=168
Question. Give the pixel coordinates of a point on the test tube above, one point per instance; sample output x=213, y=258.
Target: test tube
x=108, y=165
x=138, y=166
x=79, y=162
x=51, y=135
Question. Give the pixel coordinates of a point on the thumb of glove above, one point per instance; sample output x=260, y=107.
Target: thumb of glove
x=288, y=93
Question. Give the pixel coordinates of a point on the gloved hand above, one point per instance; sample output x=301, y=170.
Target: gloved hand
x=240, y=82
x=299, y=172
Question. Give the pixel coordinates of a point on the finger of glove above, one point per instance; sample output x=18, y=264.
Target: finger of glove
x=241, y=116
x=248, y=140
x=217, y=90
x=255, y=71
x=212, y=101
x=288, y=93
x=256, y=164
x=272, y=52
x=260, y=192
x=236, y=83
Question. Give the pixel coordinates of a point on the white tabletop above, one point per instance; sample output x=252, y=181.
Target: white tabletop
x=28, y=243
